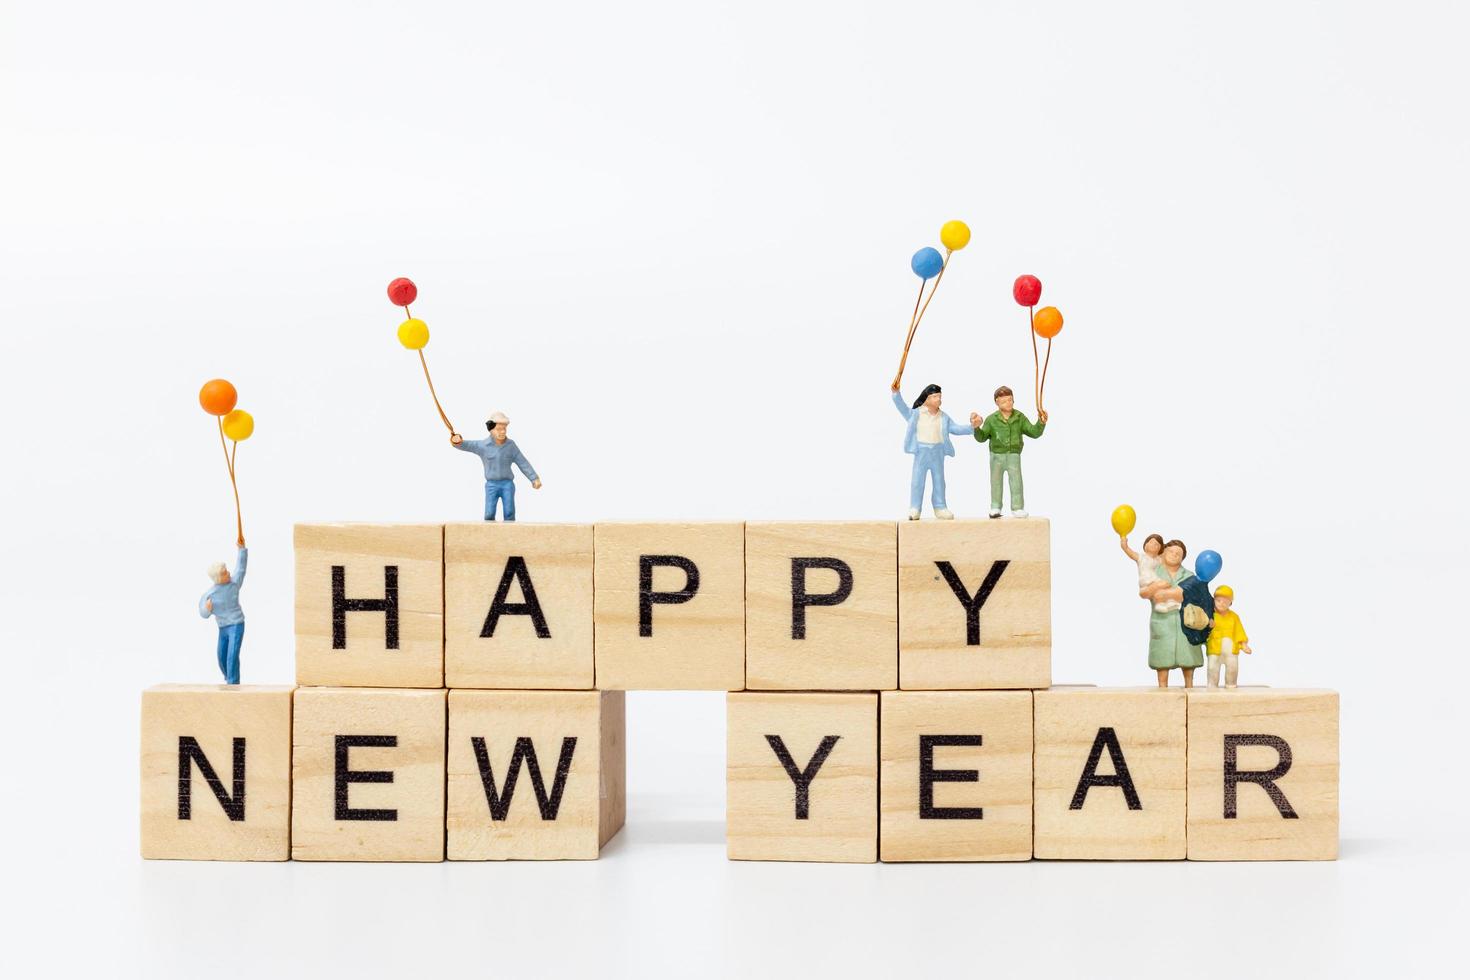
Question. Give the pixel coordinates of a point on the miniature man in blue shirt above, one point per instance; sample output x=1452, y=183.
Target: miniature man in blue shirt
x=223, y=602
x=499, y=453
x=927, y=440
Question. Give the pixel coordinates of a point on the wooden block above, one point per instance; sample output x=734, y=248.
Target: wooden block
x=216, y=772
x=370, y=605
x=368, y=775
x=999, y=634
x=802, y=777
x=821, y=606
x=535, y=774
x=1262, y=775
x=518, y=605
x=955, y=776
x=1110, y=768
x=669, y=612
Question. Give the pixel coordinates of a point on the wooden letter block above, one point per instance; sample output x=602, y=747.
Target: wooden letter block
x=956, y=776
x=370, y=605
x=974, y=604
x=802, y=777
x=518, y=605
x=1262, y=775
x=1110, y=774
x=216, y=765
x=669, y=612
x=535, y=774
x=821, y=606
x=368, y=775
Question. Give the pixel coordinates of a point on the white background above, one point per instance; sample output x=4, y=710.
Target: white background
x=671, y=242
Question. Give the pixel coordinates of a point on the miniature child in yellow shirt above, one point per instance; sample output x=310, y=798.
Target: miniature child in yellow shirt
x=1227, y=641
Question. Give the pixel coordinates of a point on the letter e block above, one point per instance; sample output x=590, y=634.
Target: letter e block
x=216, y=772
x=974, y=604
x=1262, y=775
x=518, y=605
x=370, y=605
x=802, y=777
x=368, y=775
x=535, y=775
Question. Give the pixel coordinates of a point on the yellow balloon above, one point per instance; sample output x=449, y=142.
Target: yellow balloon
x=1124, y=520
x=413, y=333
x=955, y=235
x=239, y=425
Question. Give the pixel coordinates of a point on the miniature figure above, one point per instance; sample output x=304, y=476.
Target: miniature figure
x=1004, y=429
x=1169, y=645
x=223, y=602
x=1227, y=641
x=927, y=440
x=1148, y=561
x=498, y=453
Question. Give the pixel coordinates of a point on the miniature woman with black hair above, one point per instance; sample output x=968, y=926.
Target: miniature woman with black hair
x=927, y=440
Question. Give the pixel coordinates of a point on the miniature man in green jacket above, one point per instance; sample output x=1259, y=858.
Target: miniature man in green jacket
x=1004, y=430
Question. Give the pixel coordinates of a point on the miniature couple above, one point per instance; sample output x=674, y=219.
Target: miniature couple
x=927, y=440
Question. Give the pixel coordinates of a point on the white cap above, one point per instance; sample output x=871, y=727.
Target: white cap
x=498, y=417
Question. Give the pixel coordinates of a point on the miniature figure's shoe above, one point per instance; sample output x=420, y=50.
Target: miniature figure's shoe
x=1018, y=513
x=995, y=513
x=913, y=513
x=944, y=515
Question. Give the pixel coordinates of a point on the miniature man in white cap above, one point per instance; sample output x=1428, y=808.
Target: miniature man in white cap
x=498, y=452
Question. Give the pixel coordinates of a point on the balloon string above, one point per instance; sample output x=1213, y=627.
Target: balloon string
x=912, y=327
x=432, y=394
x=230, y=465
x=919, y=316
x=1035, y=360
x=1041, y=394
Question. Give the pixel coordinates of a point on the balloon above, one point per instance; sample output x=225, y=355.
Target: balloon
x=1124, y=520
x=1027, y=290
x=1207, y=565
x=926, y=263
x=239, y=424
x=1047, y=322
x=402, y=291
x=217, y=397
x=955, y=235
x=413, y=333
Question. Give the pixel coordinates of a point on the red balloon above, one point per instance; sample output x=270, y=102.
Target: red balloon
x=1027, y=290
x=402, y=291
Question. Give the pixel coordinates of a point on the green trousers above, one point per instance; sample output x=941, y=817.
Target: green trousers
x=1000, y=465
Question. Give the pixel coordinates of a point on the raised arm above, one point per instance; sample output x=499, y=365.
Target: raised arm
x=239, y=575
x=467, y=445
x=1032, y=429
x=902, y=406
x=1132, y=555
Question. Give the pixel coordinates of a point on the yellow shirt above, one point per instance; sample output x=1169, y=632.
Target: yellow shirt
x=1227, y=627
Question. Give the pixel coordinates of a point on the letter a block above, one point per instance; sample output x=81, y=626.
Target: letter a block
x=368, y=775
x=370, y=605
x=955, y=777
x=669, y=612
x=1262, y=775
x=518, y=605
x=974, y=604
x=821, y=606
x=216, y=765
x=802, y=777
x=535, y=774
x=1110, y=774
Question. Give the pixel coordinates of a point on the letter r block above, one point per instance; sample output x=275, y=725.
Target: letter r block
x=1263, y=772
x=370, y=605
x=974, y=604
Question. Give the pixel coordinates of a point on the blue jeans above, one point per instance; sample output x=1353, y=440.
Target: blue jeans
x=928, y=459
x=505, y=492
x=228, y=652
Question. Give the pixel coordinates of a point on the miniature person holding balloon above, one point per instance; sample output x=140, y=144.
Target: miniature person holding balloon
x=222, y=601
x=498, y=454
x=1171, y=635
x=1005, y=430
x=927, y=440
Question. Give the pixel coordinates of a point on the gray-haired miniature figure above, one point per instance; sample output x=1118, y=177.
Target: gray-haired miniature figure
x=498, y=453
x=927, y=440
x=222, y=601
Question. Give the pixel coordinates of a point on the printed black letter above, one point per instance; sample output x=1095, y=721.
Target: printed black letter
x=1106, y=738
x=928, y=776
x=647, y=597
x=346, y=775
x=516, y=571
x=1265, y=778
x=800, y=598
x=525, y=752
x=973, y=603
x=341, y=606
x=189, y=750
x=802, y=777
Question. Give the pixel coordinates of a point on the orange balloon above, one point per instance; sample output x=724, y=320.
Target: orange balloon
x=1048, y=322
x=218, y=397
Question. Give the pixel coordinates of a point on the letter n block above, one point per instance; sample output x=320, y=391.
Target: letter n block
x=518, y=605
x=955, y=776
x=1262, y=775
x=535, y=775
x=368, y=775
x=669, y=608
x=370, y=605
x=216, y=766
x=802, y=777
x=974, y=604
x=1110, y=774
x=821, y=606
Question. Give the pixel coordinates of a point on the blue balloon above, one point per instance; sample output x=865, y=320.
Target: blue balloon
x=926, y=263
x=1207, y=565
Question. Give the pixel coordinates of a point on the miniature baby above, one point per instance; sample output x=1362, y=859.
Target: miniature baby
x=1227, y=641
x=1148, y=568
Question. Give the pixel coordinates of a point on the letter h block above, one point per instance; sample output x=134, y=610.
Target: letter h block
x=370, y=605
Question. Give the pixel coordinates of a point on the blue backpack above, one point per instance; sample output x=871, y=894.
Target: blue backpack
x=1196, y=593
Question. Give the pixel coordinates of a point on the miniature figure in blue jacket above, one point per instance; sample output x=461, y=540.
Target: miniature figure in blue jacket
x=222, y=601
x=927, y=440
x=498, y=453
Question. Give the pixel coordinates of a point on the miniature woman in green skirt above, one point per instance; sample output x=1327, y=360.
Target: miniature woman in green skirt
x=1167, y=646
